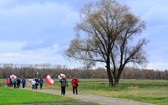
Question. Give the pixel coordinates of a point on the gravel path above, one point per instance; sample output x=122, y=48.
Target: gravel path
x=92, y=98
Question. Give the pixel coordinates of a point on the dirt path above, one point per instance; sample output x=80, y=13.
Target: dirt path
x=92, y=98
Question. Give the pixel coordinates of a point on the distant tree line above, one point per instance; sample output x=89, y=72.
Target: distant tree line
x=42, y=70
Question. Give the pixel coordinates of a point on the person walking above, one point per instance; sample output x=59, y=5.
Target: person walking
x=37, y=82
x=41, y=81
x=75, y=85
x=8, y=82
x=64, y=84
x=33, y=82
x=23, y=82
x=14, y=83
x=18, y=82
x=11, y=84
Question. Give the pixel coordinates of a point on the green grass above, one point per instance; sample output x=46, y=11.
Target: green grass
x=18, y=96
x=149, y=91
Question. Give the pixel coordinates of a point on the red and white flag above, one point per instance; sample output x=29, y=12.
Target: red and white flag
x=13, y=76
x=49, y=80
x=61, y=76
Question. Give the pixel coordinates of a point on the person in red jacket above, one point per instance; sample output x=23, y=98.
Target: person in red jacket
x=75, y=85
x=8, y=82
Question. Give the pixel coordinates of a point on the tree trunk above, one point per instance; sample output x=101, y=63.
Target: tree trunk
x=111, y=82
x=117, y=78
x=116, y=81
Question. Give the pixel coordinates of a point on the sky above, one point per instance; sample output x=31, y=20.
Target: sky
x=39, y=31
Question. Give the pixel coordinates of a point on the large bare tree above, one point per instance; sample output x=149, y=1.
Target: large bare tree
x=108, y=32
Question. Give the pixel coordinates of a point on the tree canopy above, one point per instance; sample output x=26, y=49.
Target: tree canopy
x=108, y=32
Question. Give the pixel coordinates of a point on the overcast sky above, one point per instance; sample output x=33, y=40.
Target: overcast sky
x=39, y=31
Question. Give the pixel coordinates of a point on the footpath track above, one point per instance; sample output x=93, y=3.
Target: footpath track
x=88, y=98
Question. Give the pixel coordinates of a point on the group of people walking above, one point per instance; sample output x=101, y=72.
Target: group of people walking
x=64, y=84
x=35, y=82
x=15, y=82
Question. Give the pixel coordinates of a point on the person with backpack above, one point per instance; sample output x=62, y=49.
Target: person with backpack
x=75, y=85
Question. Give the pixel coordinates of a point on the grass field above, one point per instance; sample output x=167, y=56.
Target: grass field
x=15, y=96
x=149, y=91
x=18, y=96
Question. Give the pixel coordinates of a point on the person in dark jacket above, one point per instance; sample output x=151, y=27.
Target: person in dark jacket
x=64, y=84
x=18, y=82
x=37, y=82
x=41, y=83
x=11, y=84
x=23, y=82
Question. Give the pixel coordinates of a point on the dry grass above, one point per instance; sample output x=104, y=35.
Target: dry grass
x=150, y=91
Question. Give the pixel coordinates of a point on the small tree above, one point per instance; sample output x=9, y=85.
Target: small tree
x=109, y=30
